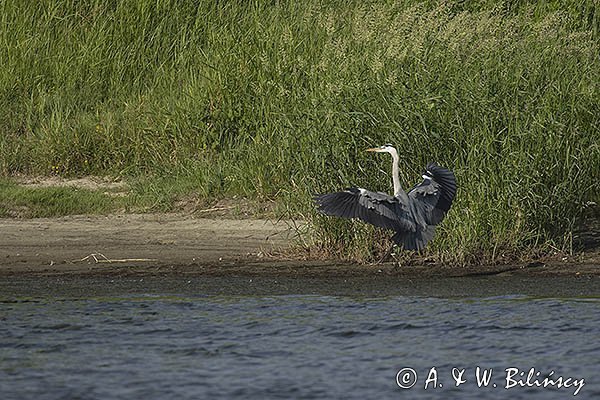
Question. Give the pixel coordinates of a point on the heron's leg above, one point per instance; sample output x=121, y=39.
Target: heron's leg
x=386, y=255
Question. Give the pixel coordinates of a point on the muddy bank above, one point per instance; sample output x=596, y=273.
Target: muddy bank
x=98, y=243
x=146, y=245
x=82, y=286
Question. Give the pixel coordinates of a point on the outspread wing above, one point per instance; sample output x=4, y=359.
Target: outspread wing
x=432, y=198
x=376, y=208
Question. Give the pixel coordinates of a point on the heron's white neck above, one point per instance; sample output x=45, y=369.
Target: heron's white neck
x=398, y=191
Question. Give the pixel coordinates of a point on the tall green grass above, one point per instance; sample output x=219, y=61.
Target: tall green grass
x=279, y=100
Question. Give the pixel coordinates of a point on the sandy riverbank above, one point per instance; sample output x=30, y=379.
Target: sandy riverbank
x=178, y=244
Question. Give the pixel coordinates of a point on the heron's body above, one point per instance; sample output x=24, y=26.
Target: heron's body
x=413, y=215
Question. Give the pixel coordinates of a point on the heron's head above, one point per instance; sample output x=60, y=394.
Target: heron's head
x=386, y=148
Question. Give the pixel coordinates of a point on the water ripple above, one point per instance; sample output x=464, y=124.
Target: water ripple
x=286, y=346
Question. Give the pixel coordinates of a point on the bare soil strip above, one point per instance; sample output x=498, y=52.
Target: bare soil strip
x=86, y=243
x=179, y=244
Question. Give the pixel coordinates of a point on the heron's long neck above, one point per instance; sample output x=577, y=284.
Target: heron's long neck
x=398, y=191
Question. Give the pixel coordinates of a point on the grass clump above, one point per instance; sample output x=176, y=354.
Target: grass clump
x=277, y=101
x=19, y=201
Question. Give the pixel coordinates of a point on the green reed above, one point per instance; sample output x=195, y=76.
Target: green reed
x=278, y=100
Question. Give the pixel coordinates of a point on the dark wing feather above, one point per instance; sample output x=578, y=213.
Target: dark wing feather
x=415, y=240
x=376, y=208
x=432, y=198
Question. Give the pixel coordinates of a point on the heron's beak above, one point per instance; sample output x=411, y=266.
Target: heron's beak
x=377, y=149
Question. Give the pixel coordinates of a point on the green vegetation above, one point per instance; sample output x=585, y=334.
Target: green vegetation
x=59, y=197
x=17, y=201
x=278, y=100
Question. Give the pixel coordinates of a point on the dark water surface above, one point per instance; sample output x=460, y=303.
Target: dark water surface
x=172, y=338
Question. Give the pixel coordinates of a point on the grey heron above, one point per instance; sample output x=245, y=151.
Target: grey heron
x=413, y=215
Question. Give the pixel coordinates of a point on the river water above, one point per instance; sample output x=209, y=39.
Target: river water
x=167, y=338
